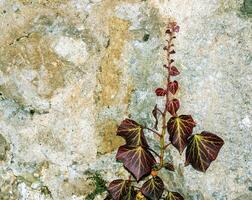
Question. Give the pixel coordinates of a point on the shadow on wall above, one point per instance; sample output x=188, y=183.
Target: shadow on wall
x=247, y=8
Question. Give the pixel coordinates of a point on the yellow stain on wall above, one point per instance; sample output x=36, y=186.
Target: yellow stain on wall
x=110, y=73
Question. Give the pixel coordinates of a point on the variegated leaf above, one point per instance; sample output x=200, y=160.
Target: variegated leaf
x=202, y=149
x=132, y=132
x=180, y=128
x=174, y=196
x=173, y=106
x=174, y=71
x=137, y=160
x=108, y=197
x=131, y=195
x=160, y=92
x=173, y=87
x=119, y=188
x=153, y=188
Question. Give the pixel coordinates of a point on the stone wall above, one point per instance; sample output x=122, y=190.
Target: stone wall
x=71, y=70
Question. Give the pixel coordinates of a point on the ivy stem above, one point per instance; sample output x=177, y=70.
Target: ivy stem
x=154, y=152
x=165, y=147
x=153, y=131
x=162, y=138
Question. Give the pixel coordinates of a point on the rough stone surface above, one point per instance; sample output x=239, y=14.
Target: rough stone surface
x=70, y=71
x=4, y=147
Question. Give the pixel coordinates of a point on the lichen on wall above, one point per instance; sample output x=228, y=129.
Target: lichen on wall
x=70, y=71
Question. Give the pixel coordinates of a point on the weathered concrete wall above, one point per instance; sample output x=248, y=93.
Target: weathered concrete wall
x=70, y=71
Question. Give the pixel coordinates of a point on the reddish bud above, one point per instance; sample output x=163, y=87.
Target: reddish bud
x=173, y=106
x=160, y=92
x=154, y=173
x=174, y=71
x=174, y=27
x=173, y=87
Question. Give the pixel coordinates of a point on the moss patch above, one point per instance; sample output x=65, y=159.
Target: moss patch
x=247, y=8
x=4, y=147
x=100, y=186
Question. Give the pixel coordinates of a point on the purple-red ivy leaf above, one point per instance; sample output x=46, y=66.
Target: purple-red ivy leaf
x=131, y=195
x=169, y=166
x=173, y=87
x=153, y=188
x=173, y=106
x=155, y=115
x=132, y=132
x=174, y=196
x=108, y=197
x=180, y=129
x=119, y=188
x=174, y=71
x=160, y=92
x=137, y=160
x=202, y=149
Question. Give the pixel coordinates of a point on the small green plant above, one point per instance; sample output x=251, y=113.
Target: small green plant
x=137, y=156
x=100, y=186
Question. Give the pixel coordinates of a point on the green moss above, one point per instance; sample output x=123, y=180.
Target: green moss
x=146, y=37
x=247, y=8
x=45, y=190
x=100, y=186
x=4, y=147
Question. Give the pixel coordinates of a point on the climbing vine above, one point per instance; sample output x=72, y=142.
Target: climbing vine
x=142, y=162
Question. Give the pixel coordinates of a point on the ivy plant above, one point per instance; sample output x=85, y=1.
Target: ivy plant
x=142, y=162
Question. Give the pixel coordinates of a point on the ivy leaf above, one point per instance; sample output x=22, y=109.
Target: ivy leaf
x=137, y=160
x=180, y=128
x=169, y=166
x=153, y=188
x=108, y=197
x=131, y=195
x=160, y=92
x=174, y=196
x=118, y=189
x=174, y=71
x=202, y=150
x=155, y=115
x=132, y=132
x=173, y=87
x=173, y=106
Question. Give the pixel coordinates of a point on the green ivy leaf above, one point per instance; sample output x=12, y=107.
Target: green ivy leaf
x=202, y=149
x=132, y=132
x=153, y=188
x=137, y=160
x=180, y=128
